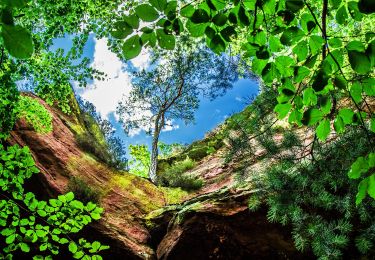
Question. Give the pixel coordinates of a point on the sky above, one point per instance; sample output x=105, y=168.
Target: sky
x=105, y=95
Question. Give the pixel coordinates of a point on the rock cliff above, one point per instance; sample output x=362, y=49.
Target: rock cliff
x=140, y=221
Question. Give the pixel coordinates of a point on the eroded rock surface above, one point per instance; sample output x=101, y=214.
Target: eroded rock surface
x=212, y=223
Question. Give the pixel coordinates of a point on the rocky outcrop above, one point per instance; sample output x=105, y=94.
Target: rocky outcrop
x=125, y=198
x=212, y=223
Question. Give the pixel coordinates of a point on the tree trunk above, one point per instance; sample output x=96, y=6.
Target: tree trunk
x=159, y=124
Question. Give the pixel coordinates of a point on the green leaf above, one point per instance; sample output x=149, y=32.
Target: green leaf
x=359, y=167
x=311, y=117
x=159, y=4
x=355, y=46
x=368, y=86
x=258, y=65
x=283, y=64
x=219, y=4
x=40, y=233
x=217, y=44
x=17, y=41
x=316, y=44
x=301, y=73
x=8, y=231
x=132, y=20
x=249, y=4
x=294, y=5
x=242, y=15
x=95, y=216
x=335, y=42
x=309, y=97
x=301, y=50
x=121, y=30
x=347, y=115
x=196, y=30
x=320, y=81
x=282, y=110
x=132, y=47
x=295, y=117
x=359, y=62
x=270, y=72
x=165, y=41
x=340, y=82
x=25, y=247
x=187, y=11
x=73, y=247
x=43, y=247
x=339, y=125
x=335, y=3
x=291, y=36
x=146, y=12
x=342, y=15
x=220, y=19
x=325, y=105
x=354, y=11
x=210, y=32
x=79, y=255
x=149, y=39
x=372, y=124
x=227, y=33
x=362, y=190
x=96, y=245
x=170, y=10
x=356, y=92
x=275, y=44
x=10, y=239
x=200, y=16
x=371, y=186
x=7, y=16
x=69, y=196
x=370, y=52
x=323, y=130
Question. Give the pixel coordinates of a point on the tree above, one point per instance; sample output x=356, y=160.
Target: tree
x=316, y=54
x=171, y=90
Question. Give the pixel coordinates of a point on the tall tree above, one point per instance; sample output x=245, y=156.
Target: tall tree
x=171, y=90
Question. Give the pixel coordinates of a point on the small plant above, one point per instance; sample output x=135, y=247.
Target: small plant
x=174, y=176
x=35, y=114
x=41, y=228
x=83, y=191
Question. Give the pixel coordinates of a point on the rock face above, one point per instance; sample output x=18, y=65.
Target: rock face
x=213, y=223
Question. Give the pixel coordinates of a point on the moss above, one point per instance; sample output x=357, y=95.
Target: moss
x=174, y=195
x=142, y=192
x=148, y=196
x=83, y=191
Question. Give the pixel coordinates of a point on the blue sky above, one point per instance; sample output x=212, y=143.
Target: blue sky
x=106, y=94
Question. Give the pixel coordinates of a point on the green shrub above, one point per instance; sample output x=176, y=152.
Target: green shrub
x=174, y=176
x=82, y=191
x=198, y=153
x=35, y=114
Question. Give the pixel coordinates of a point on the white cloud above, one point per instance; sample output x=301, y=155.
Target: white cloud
x=106, y=95
x=170, y=126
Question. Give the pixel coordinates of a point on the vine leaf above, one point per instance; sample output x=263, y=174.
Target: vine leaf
x=132, y=47
x=323, y=130
x=146, y=12
x=18, y=41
